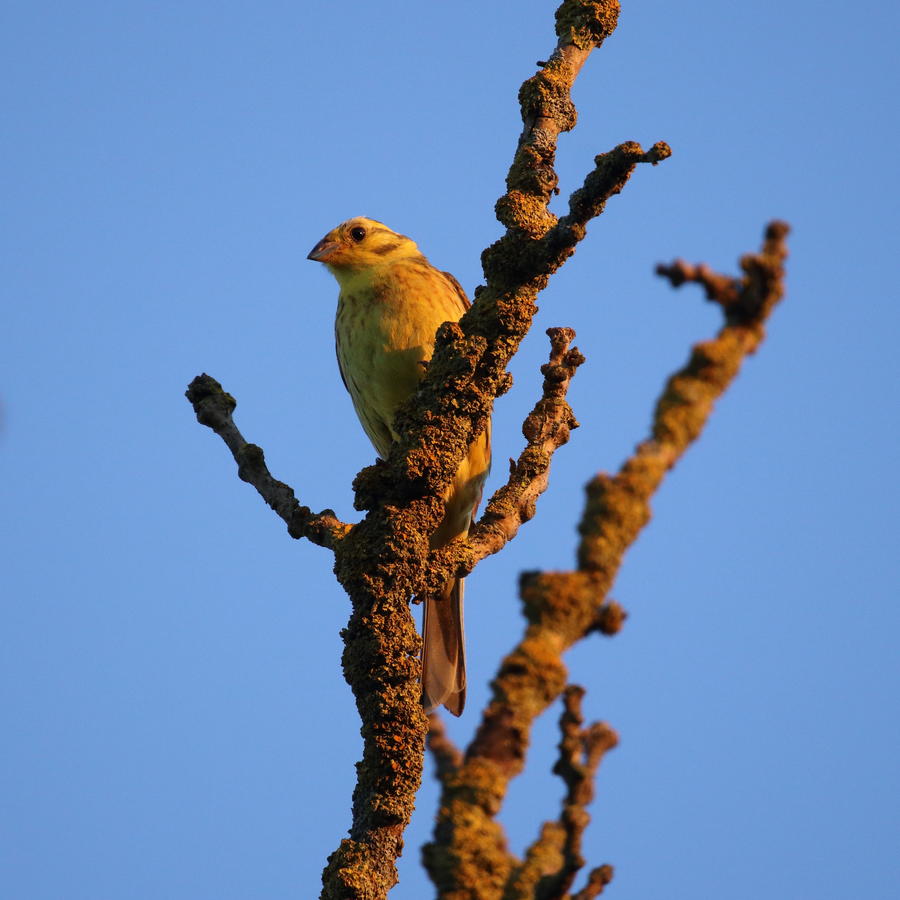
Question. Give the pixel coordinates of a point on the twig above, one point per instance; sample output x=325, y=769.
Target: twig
x=721, y=289
x=546, y=429
x=609, y=619
x=597, y=881
x=561, y=607
x=214, y=408
x=470, y=357
x=447, y=756
x=554, y=859
x=744, y=299
x=580, y=752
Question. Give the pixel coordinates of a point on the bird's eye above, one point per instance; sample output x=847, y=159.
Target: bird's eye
x=358, y=233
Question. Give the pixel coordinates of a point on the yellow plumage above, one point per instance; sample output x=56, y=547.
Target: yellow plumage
x=391, y=302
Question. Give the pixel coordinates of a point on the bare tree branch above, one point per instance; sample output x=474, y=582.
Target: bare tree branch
x=383, y=560
x=580, y=752
x=554, y=859
x=468, y=369
x=721, y=289
x=468, y=857
x=214, y=408
x=609, y=619
x=597, y=881
x=546, y=429
x=447, y=756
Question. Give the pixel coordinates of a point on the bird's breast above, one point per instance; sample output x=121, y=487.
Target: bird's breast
x=385, y=327
x=380, y=348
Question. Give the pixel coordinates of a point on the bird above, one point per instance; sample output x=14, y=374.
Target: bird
x=390, y=305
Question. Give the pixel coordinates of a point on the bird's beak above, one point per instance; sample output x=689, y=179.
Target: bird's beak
x=323, y=250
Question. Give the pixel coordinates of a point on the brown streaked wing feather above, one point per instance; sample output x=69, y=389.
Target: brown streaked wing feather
x=337, y=346
x=340, y=367
x=487, y=471
x=458, y=288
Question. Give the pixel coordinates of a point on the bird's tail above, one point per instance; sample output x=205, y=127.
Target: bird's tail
x=444, y=650
x=443, y=642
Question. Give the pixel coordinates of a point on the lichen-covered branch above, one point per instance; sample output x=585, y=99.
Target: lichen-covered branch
x=618, y=506
x=214, y=408
x=447, y=756
x=580, y=752
x=384, y=559
x=468, y=858
x=468, y=369
x=721, y=289
x=597, y=881
x=554, y=859
x=546, y=429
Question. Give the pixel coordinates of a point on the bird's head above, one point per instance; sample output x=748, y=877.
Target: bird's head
x=359, y=244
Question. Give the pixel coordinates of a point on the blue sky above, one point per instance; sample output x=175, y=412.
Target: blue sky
x=176, y=722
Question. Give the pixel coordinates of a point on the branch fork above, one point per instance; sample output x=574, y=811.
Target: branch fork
x=382, y=560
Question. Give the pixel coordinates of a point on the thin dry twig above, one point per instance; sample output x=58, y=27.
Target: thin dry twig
x=721, y=289
x=214, y=408
x=384, y=559
x=554, y=859
x=580, y=752
x=597, y=881
x=546, y=429
x=447, y=756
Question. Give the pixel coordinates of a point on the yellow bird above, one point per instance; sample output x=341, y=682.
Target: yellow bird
x=391, y=303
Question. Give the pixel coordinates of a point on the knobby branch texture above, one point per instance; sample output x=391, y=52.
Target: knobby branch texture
x=468, y=857
x=384, y=560
x=546, y=429
x=214, y=408
x=554, y=859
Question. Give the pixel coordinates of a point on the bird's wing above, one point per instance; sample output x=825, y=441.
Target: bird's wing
x=458, y=290
x=466, y=304
x=340, y=367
